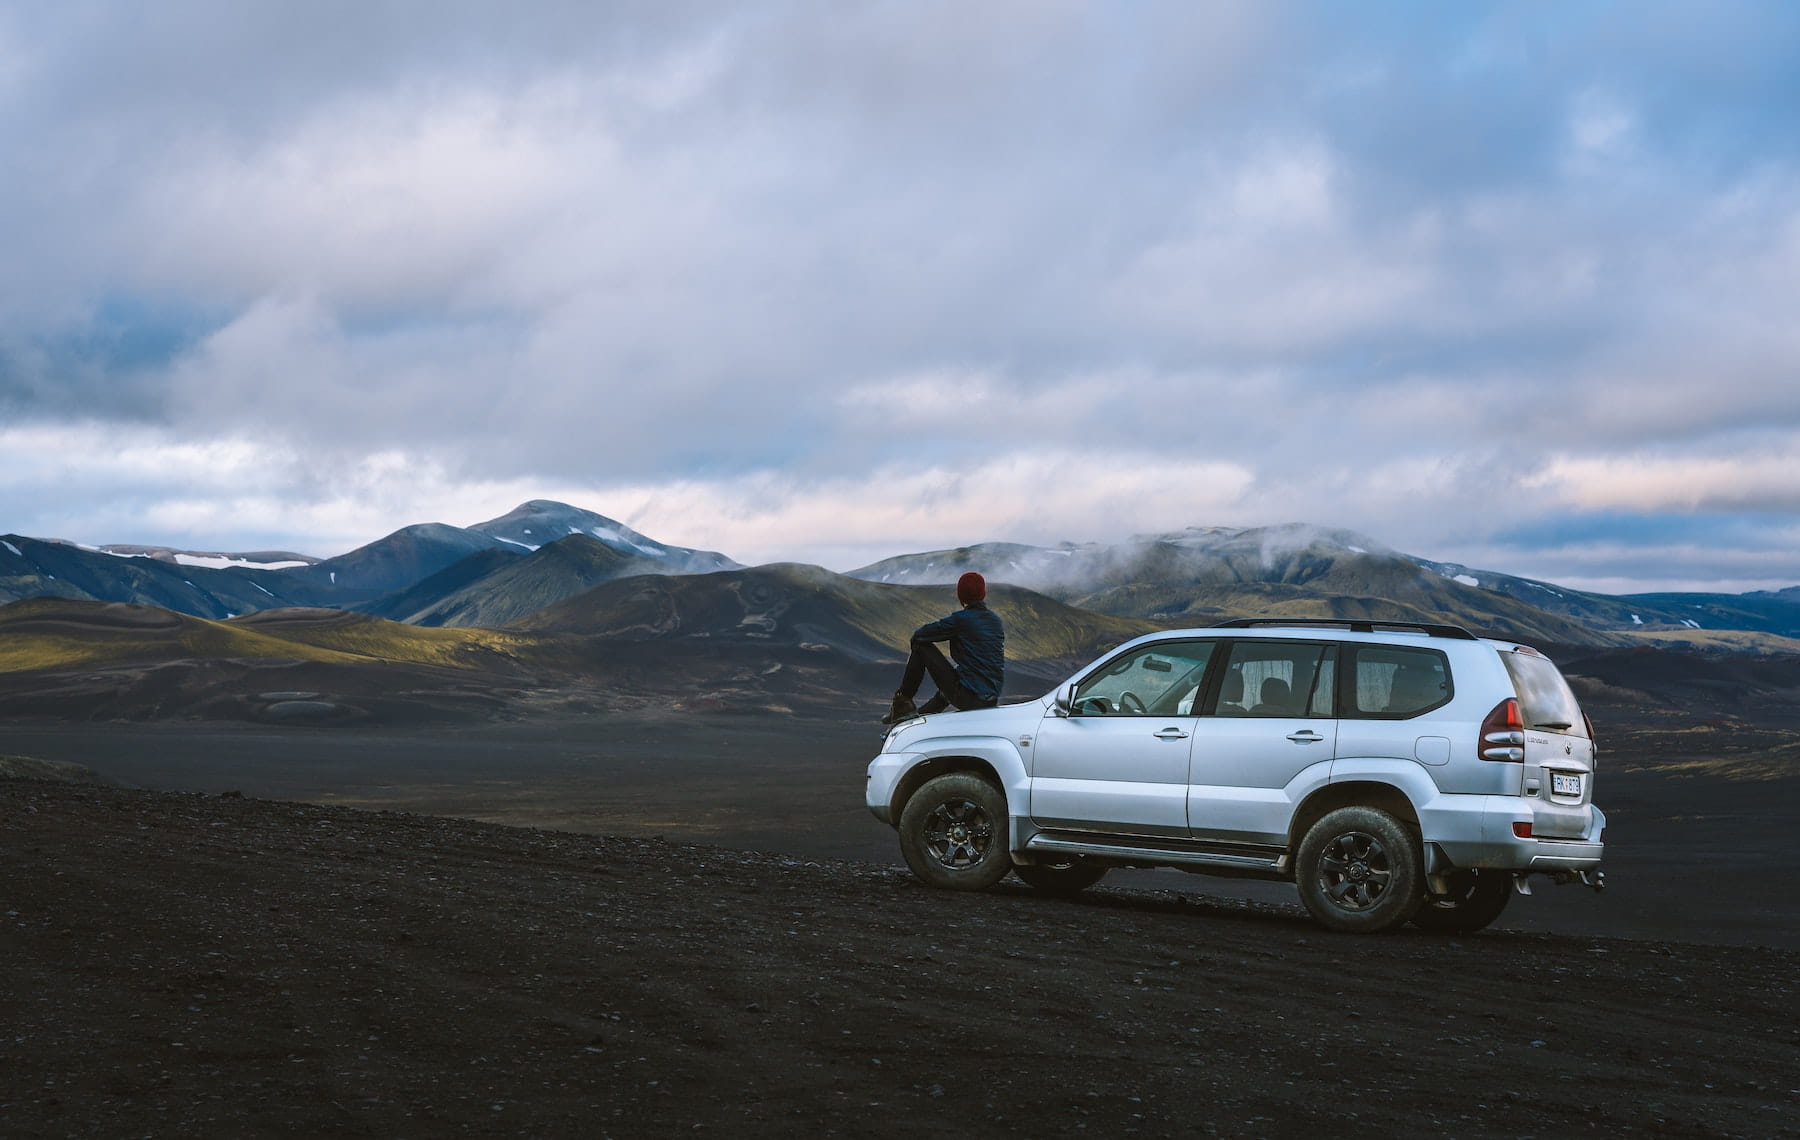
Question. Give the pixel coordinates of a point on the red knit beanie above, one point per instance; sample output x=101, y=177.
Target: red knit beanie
x=971, y=587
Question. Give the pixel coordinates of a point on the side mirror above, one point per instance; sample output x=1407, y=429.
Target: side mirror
x=1062, y=704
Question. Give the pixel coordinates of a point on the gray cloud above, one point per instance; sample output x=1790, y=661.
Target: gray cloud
x=1389, y=267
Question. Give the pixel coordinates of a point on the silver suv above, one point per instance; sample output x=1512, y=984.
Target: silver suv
x=1390, y=771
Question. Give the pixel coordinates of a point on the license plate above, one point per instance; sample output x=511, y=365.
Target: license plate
x=1564, y=785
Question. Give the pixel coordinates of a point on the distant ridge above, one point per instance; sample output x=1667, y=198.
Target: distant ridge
x=500, y=572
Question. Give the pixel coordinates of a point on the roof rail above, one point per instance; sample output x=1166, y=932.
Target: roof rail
x=1354, y=625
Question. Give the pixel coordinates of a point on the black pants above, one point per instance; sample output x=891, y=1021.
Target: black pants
x=925, y=658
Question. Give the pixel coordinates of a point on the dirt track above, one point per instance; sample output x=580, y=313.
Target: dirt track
x=180, y=965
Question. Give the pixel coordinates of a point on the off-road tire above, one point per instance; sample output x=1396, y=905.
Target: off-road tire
x=1359, y=870
x=1476, y=899
x=1060, y=878
x=953, y=832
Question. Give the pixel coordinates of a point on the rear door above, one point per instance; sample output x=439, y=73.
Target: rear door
x=1119, y=762
x=1386, y=692
x=1272, y=718
x=1559, y=756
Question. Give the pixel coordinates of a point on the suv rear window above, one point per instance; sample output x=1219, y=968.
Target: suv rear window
x=1544, y=697
x=1392, y=682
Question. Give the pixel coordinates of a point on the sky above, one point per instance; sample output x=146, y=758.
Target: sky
x=1512, y=285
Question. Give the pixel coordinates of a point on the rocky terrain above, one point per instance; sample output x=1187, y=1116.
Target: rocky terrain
x=187, y=965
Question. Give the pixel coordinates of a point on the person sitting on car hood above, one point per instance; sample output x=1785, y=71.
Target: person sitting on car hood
x=977, y=646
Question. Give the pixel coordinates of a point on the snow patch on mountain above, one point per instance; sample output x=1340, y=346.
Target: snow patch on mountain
x=226, y=561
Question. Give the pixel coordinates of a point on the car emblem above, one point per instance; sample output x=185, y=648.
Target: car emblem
x=1568, y=750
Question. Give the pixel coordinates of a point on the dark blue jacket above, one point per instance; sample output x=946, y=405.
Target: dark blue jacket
x=977, y=645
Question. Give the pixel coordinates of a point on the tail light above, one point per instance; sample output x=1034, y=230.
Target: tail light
x=1594, y=744
x=1522, y=829
x=1503, y=733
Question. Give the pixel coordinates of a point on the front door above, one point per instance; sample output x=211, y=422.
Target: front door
x=1119, y=761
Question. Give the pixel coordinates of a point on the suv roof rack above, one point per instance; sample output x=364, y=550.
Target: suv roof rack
x=1354, y=625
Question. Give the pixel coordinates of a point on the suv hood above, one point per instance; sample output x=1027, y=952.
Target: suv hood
x=1006, y=720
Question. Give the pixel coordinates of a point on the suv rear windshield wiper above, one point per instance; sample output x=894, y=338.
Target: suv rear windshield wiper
x=1558, y=725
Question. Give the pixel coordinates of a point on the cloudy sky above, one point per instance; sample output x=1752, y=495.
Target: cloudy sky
x=1516, y=285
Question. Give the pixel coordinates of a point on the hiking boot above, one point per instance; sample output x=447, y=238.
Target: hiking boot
x=903, y=709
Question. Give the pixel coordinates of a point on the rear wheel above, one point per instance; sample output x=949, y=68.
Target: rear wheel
x=953, y=833
x=1476, y=899
x=1359, y=870
x=1060, y=878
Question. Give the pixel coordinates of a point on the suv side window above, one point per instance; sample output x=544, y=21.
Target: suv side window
x=1393, y=682
x=1152, y=680
x=1278, y=678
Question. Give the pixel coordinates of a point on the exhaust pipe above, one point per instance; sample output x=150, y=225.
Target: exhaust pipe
x=1593, y=879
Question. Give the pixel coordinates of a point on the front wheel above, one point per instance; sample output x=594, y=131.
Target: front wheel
x=1476, y=898
x=1060, y=878
x=953, y=833
x=1359, y=870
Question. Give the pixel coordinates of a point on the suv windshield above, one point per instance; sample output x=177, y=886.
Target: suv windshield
x=1544, y=697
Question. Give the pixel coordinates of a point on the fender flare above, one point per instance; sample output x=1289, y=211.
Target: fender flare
x=993, y=757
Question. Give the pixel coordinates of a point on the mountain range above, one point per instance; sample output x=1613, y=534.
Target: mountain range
x=1203, y=574
x=547, y=566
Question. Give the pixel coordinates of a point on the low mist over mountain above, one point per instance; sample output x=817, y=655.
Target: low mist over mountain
x=1204, y=574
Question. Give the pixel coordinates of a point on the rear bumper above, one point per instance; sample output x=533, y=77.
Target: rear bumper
x=1477, y=831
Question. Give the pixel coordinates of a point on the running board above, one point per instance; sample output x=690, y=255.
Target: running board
x=1139, y=850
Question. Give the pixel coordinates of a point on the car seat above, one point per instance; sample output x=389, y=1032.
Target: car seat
x=1275, y=698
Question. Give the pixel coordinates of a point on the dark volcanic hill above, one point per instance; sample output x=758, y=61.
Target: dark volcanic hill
x=84, y=660
x=787, y=640
x=395, y=562
x=415, y=601
x=808, y=606
x=499, y=587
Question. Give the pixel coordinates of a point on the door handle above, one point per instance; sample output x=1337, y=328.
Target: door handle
x=1305, y=736
x=1170, y=734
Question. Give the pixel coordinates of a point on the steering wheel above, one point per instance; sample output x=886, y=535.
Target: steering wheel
x=1130, y=702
